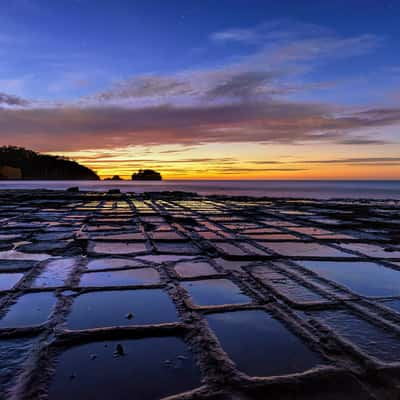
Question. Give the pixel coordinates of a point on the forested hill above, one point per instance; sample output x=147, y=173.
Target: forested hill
x=27, y=164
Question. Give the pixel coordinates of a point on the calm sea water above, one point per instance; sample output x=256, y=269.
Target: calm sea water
x=296, y=189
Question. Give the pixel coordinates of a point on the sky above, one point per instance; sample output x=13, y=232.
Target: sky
x=205, y=89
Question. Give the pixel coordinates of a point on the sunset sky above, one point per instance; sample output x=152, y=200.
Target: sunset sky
x=206, y=89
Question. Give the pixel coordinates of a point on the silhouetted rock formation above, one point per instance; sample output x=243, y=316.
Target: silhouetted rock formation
x=20, y=163
x=146, y=175
x=114, y=178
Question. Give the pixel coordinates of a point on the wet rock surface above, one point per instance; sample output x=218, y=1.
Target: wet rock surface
x=175, y=295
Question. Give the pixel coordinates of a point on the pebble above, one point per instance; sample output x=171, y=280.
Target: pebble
x=119, y=350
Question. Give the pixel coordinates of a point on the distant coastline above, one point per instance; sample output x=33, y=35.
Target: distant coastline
x=23, y=164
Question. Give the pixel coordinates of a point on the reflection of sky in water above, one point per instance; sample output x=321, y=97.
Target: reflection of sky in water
x=304, y=249
x=17, y=255
x=124, y=277
x=13, y=353
x=108, y=263
x=30, y=309
x=370, y=338
x=215, y=292
x=141, y=373
x=190, y=269
x=110, y=308
x=365, y=278
x=271, y=349
x=164, y=258
x=8, y=280
x=55, y=273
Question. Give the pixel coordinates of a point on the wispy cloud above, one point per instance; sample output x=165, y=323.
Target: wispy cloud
x=269, y=31
x=11, y=100
x=247, y=101
x=71, y=128
x=359, y=160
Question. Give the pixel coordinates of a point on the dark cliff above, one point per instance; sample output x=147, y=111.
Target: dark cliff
x=33, y=165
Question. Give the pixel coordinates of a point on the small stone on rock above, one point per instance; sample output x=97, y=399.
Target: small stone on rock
x=129, y=316
x=119, y=350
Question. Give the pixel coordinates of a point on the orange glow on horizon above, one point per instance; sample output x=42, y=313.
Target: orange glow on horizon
x=243, y=161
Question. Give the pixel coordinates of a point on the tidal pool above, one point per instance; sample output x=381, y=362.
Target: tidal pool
x=30, y=309
x=365, y=278
x=118, y=247
x=13, y=354
x=393, y=304
x=55, y=273
x=211, y=292
x=286, y=286
x=17, y=255
x=191, y=269
x=176, y=247
x=121, y=307
x=16, y=265
x=370, y=338
x=274, y=236
x=304, y=249
x=149, y=369
x=137, y=276
x=112, y=263
x=9, y=280
x=372, y=250
x=162, y=258
x=121, y=236
x=261, y=345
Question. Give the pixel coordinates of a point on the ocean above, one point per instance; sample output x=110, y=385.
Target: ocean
x=270, y=188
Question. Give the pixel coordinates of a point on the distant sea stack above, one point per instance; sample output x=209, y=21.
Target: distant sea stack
x=146, y=175
x=114, y=178
x=20, y=163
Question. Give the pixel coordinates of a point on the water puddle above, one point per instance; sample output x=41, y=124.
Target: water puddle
x=287, y=287
x=29, y=310
x=16, y=265
x=229, y=249
x=372, y=250
x=168, y=235
x=309, y=230
x=232, y=265
x=138, y=276
x=13, y=354
x=55, y=273
x=275, y=236
x=117, y=247
x=159, y=259
x=121, y=307
x=122, y=236
x=17, y=255
x=373, y=340
x=210, y=292
x=112, y=263
x=148, y=369
x=271, y=349
x=176, y=248
x=9, y=280
x=365, y=278
x=304, y=249
x=393, y=304
x=191, y=269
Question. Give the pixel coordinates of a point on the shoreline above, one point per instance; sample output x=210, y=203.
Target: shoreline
x=183, y=194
